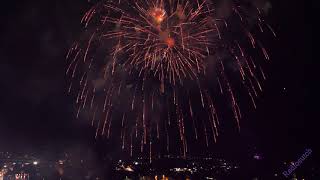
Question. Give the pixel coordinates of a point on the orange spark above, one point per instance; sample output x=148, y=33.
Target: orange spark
x=170, y=42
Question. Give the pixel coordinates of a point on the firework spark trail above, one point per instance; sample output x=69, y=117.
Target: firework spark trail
x=144, y=59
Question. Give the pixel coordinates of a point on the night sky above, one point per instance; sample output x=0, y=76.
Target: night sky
x=36, y=113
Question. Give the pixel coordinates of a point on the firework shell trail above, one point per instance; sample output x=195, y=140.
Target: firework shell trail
x=143, y=69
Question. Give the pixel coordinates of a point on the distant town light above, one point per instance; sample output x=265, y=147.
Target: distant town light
x=35, y=163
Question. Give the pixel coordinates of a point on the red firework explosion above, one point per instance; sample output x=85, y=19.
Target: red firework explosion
x=140, y=65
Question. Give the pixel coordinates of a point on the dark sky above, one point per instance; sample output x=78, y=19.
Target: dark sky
x=35, y=110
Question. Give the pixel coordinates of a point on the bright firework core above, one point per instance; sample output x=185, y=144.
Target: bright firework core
x=158, y=14
x=170, y=42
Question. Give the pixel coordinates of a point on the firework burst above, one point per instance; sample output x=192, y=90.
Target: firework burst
x=145, y=67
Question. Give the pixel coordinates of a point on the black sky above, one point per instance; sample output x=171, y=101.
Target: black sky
x=35, y=110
